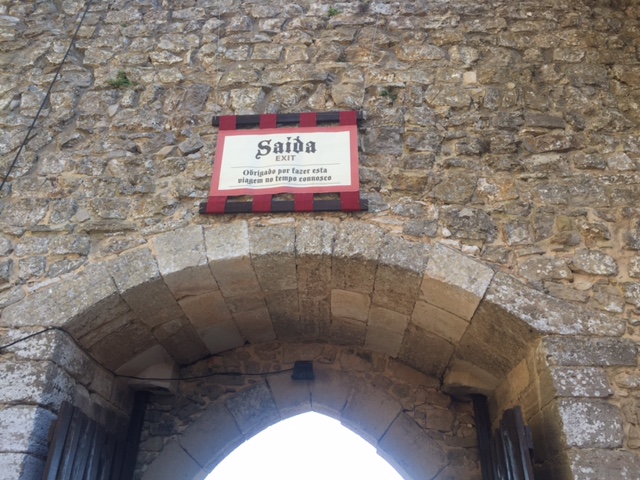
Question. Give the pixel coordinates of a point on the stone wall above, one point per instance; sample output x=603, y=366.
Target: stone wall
x=507, y=131
x=368, y=392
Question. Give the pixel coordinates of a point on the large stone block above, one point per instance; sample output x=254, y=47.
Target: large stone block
x=454, y=282
x=292, y=397
x=272, y=252
x=464, y=378
x=283, y=306
x=229, y=258
x=255, y=325
x=205, y=310
x=407, y=447
x=20, y=466
x=329, y=390
x=174, y=464
x=35, y=383
x=221, y=337
x=212, y=437
x=352, y=305
x=314, y=238
x=370, y=411
x=347, y=331
x=591, y=423
x=580, y=382
x=122, y=345
x=24, y=429
x=547, y=314
x=254, y=409
x=598, y=464
x=586, y=351
x=439, y=322
x=424, y=351
x=315, y=317
x=76, y=300
x=396, y=289
x=182, y=261
x=181, y=341
x=385, y=330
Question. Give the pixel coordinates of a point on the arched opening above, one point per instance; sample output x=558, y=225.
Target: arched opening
x=309, y=445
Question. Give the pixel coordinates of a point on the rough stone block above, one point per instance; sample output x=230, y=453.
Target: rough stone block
x=463, y=378
x=205, y=310
x=454, y=282
x=352, y=305
x=283, y=308
x=585, y=351
x=329, y=391
x=598, y=464
x=346, y=331
x=385, y=330
x=254, y=409
x=548, y=436
x=74, y=300
x=210, y=439
x=410, y=449
x=255, y=325
x=370, y=411
x=174, y=464
x=24, y=429
x=20, y=466
x=132, y=269
x=229, y=258
x=426, y=352
x=547, y=314
x=222, y=336
x=315, y=317
x=122, y=345
x=591, y=423
x=35, y=383
x=439, y=322
x=292, y=397
x=181, y=341
x=580, y=382
x=314, y=237
x=396, y=289
x=356, y=251
x=272, y=252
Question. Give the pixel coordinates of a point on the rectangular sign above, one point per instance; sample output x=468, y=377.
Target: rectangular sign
x=286, y=160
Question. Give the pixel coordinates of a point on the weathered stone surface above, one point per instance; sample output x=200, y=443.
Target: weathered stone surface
x=385, y=330
x=174, y=461
x=581, y=382
x=356, y=249
x=292, y=397
x=545, y=269
x=592, y=464
x=547, y=314
x=19, y=465
x=253, y=409
x=597, y=263
x=272, y=252
x=586, y=351
x=404, y=441
x=591, y=423
x=14, y=437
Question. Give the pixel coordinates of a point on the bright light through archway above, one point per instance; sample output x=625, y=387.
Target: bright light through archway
x=309, y=446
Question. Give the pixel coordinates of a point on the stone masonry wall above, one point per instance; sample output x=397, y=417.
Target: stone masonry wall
x=448, y=423
x=507, y=130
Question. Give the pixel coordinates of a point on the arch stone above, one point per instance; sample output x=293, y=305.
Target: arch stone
x=207, y=289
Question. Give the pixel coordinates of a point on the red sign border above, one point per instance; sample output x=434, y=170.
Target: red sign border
x=353, y=153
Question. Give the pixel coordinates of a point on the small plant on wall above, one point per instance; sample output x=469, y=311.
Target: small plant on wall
x=333, y=12
x=121, y=81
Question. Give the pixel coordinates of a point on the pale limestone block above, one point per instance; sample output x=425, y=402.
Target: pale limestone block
x=292, y=397
x=75, y=301
x=598, y=464
x=424, y=351
x=454, y=282
x=346, y=331
x=314, y=276
x=581, y=382
x=463, y=378
x=212, y=437
x=222, y=336
x=132, y=269
x=283, y=308
x=123, y=344
x=182, y=261
x=205, y=310
x=247, y=302
x=369, y=411
x=547, y=314
x=329, y=390
x=404, y=255
x=35, y=383
x=253, y=409
x=409, y=449
x=396, y=289
x=438, y=321
x=352, y=305
x=255, y=325
x=229, y=258
x=591, y=423
x=181, y=340
x=153, y=303
x=24, y=428
x=314, y=237
x=385, y=330
x=519, y=378
x=174, y=463
x=20, y=465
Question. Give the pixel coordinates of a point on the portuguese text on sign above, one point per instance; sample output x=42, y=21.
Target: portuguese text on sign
x=286, y=160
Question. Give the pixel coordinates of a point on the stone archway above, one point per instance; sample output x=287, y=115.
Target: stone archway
x=202, y=290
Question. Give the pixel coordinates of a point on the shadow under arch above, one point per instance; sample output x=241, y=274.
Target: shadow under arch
x=201, y=290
